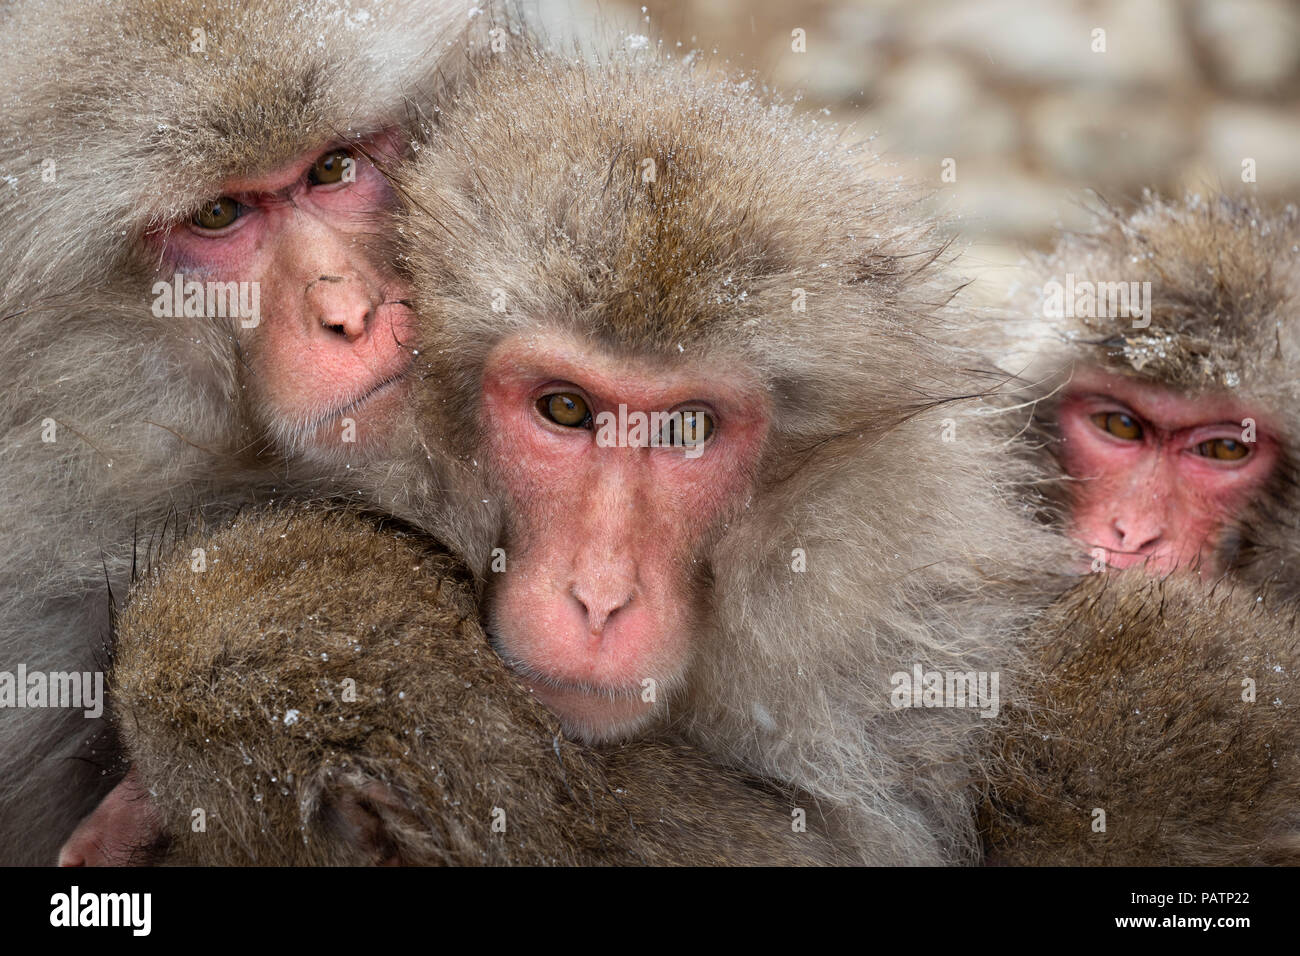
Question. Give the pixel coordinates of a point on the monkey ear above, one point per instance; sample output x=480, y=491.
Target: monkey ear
x=369, y=816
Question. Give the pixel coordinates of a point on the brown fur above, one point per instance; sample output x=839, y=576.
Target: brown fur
x=1138, y=711
x=147, y=410
x=531, y=184
x=292, y=605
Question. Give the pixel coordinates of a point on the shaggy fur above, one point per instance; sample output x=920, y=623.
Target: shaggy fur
x=1138, y=711
x=531, y=184
x=146, y=410
x=247, y=717
x=1225, y=287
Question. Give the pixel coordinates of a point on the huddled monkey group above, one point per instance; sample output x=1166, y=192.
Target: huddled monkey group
x=463, y=452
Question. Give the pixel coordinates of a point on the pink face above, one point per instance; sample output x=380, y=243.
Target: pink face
x=603, y=574
x=1159, y=473
x=328, y=349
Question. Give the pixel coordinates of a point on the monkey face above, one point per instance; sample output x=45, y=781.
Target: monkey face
x=324, y=348
x=1159, y=474
x=616, y=473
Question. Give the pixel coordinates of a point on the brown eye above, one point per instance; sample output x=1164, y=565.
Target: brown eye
x=218, y=214
x=565, y=408
x=1118, y=424
x=695, y=428
x=1223, y=449
x=330, y=167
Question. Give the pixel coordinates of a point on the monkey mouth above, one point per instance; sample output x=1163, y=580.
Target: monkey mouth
x=1129, y=559
x=592, y=714
x=534, y=677
x=550, y=687
x=380, y=388
x=310, y=436
x=1156, y=561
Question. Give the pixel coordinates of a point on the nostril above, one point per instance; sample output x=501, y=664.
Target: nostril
x=601, y=602
x=1137, y=539
x=342, y=305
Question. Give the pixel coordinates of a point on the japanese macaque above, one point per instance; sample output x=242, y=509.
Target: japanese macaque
x=1139, y=740
x=691, y=409
x=196, y=291
x=1160, y=731
x=305, y=688
x=1179, y=331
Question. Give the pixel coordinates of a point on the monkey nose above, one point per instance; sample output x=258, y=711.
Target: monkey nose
x=601, y=597
x=1137, y=536
x=339, y=305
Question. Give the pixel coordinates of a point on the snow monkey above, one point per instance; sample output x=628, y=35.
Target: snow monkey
x=194, y=289
x=1178, y=332
x=1173, y=420
x=689, y=382
x=322, y=693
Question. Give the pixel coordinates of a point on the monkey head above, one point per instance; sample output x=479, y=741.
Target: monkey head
x=607, y=591
x=648, y=302
x=1160, y=473
x=233, y=188
x=1175, y=415
x=332, y=345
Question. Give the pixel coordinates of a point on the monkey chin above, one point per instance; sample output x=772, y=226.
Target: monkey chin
x=593, y=715
x=360, y=429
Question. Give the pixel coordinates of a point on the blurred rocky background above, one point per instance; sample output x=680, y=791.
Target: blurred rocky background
x=1034, y=102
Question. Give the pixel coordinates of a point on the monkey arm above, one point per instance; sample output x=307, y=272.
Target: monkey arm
x=302, y=688
x=1160, y=729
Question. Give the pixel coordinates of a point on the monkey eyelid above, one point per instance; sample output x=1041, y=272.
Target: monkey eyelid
x=555, y=386
x=703, y=409
x=249, y=200
x=1101, y=402
x=1194, y=443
